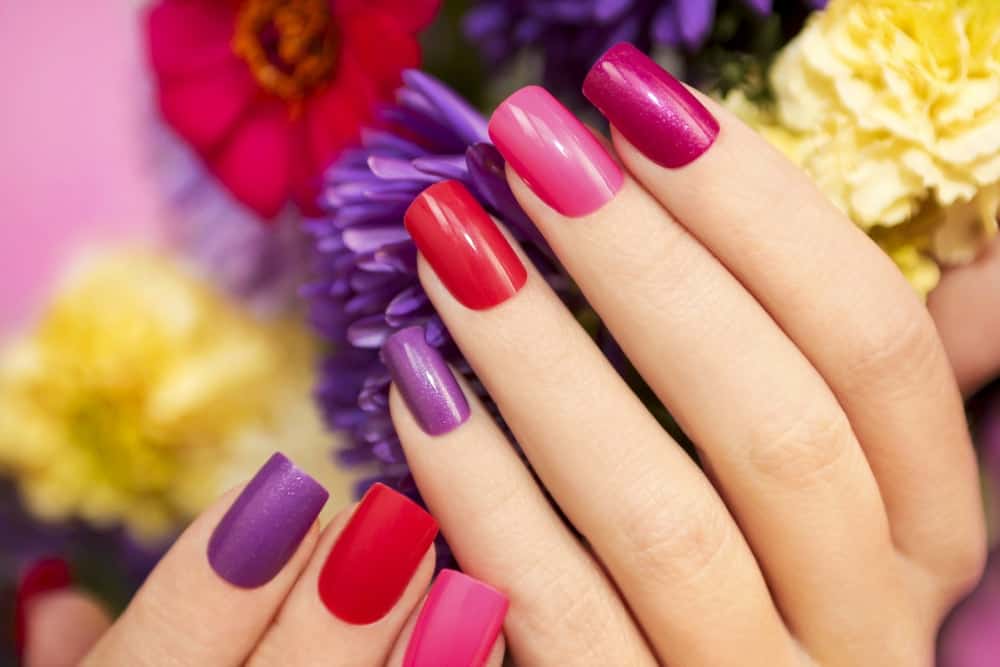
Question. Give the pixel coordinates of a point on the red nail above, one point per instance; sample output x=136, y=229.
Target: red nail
x=464, y=246
x=375, y=557
x=43, y=576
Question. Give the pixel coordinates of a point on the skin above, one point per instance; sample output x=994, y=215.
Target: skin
x=835, y=518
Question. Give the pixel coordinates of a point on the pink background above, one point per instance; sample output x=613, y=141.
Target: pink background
x=75, y=151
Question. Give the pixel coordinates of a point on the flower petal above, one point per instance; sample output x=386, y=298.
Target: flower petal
x=410, y=15
x=202, y=109
x=187, y=36
x=695, y=19
x=335, y=114
x=380, y=47
x=256, y=164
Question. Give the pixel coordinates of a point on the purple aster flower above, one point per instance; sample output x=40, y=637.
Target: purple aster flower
x=365, y=284
x=571, y=34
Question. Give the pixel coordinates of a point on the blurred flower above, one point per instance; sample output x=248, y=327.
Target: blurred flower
x=571, y=34
x=894, y=109
x=142, y=394
x=270, y=91
x=262, y=266
x=969, y=637
x=366, y=284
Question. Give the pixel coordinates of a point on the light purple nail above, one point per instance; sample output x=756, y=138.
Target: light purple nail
x=425, y=381
x=265, y=525
x=652, y=109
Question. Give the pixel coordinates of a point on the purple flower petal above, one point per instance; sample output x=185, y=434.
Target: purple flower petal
x=466, y=121
x=397, y=168
x=695, y=20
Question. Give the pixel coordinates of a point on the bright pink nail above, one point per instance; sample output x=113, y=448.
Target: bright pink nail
x=458, y=625
x=554, y=153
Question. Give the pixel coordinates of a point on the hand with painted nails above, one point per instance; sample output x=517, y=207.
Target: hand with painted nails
x=255, y=581
x=833, y=516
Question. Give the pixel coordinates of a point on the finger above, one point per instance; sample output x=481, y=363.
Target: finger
x=498, y=523
x=651, y=516
x=966, y=309
x=846, y=306
x=782, y=452
x=214, y=593
x=457, y=625
x=62, y=627
x=370, y=570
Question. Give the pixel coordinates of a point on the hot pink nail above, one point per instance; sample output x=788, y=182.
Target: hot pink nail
x=458, y=625
x=652, y=109
x=554, y=153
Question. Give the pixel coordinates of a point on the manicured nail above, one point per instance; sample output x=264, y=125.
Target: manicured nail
x=265, y=525
x=425, y=381
x=464, y=246
x=46, y=575
x=651, y=108
x=559, y=158
x=375, y=556
x=458, y=625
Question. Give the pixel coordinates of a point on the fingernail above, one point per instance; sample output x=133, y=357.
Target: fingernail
x=46, y=575
x=458, y=625
x=265, y=525
x=464, y=246
x=652, y=109
x=558, y=158
x=375, y=556
x=425, y=381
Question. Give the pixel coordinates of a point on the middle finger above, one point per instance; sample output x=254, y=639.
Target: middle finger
x=650, y=514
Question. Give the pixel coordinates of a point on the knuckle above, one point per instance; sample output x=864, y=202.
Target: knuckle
x=904, y=338
x=676, y=538
x=565, y=614
x=801, y=449
x=967, y=561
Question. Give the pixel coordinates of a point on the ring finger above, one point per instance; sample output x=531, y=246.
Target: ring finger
x=782, y=450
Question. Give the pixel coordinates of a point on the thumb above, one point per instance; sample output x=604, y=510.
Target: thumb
x=57, y=625
x=966, y=309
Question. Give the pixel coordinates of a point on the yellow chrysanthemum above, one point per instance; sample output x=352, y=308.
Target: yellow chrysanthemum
x=142, y=393
x=893, y=107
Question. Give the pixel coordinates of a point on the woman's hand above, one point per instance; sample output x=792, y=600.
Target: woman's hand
x=253, y=581
x=835, y=517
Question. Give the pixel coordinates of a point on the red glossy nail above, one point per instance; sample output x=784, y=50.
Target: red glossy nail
x=375, y=556
x=43, y=576
x=464, y=246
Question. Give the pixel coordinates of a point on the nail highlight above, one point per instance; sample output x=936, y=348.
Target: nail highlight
x=375, y=556
x=425, y=381
x=265, y=525
x=458, y=625
x=464, y=246
x=558, y=158
x=652, y=109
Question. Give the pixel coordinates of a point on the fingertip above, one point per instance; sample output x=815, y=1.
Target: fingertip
x=62, y=627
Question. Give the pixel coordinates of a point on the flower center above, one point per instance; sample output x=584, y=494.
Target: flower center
x=290, y=45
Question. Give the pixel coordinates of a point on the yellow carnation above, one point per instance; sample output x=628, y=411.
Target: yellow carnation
x=893, y=108
x=142, y=394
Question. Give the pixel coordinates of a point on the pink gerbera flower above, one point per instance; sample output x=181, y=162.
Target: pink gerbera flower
x=268, y=92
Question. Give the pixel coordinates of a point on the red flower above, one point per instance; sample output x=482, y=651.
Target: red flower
x=270, y=91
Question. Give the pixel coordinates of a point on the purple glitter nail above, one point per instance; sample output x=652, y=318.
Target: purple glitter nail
x=265, y=525
x=425, y=381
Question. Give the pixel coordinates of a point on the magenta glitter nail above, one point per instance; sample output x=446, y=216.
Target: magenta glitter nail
x=652, y=109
